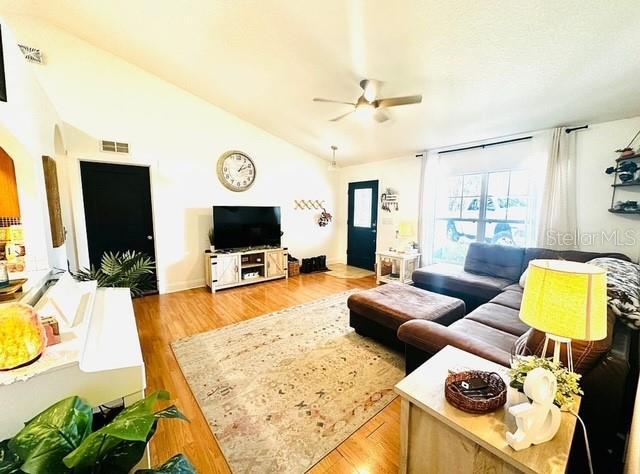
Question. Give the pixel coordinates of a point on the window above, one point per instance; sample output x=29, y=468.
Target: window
x=362, y=208
x=480, y=207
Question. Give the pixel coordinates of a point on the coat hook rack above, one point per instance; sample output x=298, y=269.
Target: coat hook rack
x=308, y=204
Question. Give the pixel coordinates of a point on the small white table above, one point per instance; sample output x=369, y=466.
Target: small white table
x=403, y=263
x=436, y=437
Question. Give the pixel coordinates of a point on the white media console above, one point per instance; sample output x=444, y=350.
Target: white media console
x=229, y=269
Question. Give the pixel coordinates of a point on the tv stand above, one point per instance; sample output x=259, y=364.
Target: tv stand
x=236, y=267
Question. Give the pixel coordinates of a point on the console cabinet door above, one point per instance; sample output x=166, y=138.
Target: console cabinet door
x=275, y=263
x=227, y=270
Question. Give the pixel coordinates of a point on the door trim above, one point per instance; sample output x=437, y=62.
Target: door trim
x=79, y=220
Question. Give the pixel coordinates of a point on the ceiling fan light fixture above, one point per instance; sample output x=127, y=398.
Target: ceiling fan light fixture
x=365, y=110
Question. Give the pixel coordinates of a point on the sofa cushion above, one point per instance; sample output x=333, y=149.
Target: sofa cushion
x=501, y=340
x=533, y=253
x=509, y=298
x=453, y=279
x=428, y=338
x=499, y=317
x=500, y=261
x=393, y=304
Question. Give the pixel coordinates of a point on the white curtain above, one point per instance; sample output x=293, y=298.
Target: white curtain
x=558, y=222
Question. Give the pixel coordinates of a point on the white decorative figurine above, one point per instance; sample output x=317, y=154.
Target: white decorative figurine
x=538, y=421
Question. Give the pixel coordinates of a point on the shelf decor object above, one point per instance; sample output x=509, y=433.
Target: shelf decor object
x=565, y=300
x=538, y=421
x=626, y=174
x=492, y=397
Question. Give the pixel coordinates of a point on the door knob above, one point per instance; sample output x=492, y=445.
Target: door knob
x=149, y=237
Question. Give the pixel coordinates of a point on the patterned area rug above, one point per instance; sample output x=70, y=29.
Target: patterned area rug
x=282, y=390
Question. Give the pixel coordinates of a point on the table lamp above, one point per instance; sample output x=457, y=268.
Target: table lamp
x=565, y=300
x=406, y=230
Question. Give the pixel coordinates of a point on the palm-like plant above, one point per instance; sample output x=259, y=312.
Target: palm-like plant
x=130, y=269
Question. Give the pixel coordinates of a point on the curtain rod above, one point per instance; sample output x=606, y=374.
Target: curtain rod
x=573, y=129
x=486, y=145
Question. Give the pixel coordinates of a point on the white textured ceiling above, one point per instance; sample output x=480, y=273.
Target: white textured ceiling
x=484, y=68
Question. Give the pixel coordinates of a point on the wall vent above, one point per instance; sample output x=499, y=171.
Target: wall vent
x=114, y=147
x=32, y=55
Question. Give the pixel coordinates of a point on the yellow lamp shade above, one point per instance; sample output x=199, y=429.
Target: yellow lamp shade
x=406, y=229
x=567, y=299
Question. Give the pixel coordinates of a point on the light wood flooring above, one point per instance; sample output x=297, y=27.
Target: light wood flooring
x=374, y=448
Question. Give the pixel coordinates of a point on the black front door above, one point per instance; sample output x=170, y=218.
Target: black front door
x=117, y=209
x=362, y=224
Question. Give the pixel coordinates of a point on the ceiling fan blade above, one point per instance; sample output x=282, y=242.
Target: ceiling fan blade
x=317, y=99
x=380, y=116
x=395, y=101
x=340, y=117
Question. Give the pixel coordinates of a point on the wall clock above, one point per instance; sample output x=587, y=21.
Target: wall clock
x=236, y=171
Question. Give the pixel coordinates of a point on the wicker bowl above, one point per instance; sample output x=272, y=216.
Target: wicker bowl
x=497, y=390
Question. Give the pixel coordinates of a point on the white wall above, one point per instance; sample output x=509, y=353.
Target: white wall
x=595, y=152
x=28, y=122
x=403, y=175
x=180, y=137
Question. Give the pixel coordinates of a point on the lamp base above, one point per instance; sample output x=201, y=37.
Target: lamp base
x=557, y=344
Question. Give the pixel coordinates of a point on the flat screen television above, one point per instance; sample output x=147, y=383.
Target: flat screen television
x=246, y=226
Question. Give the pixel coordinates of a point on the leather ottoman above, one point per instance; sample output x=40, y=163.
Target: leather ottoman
x=380, y=311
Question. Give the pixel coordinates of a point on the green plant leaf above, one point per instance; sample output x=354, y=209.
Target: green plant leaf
x=178, y=464
x=9, y=461
x=120, y=444
x=171, y=412
x=51, y=435
x=131, y=269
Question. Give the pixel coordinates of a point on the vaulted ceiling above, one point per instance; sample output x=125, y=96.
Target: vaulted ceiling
x=484, y=68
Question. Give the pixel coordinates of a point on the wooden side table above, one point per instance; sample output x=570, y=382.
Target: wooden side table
x=404, y=263
x=436, y=437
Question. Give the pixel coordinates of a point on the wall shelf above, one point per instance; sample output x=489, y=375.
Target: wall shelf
x=617, y=211
x=623, y=185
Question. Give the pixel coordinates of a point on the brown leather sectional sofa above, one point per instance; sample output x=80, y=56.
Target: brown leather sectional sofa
x=488, y=284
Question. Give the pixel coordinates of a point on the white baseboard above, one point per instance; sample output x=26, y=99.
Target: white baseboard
x=181, y=286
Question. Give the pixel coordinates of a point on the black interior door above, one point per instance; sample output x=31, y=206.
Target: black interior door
x=117, y=209
x=362, y=224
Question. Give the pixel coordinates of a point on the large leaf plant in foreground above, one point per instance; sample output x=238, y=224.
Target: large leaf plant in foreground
x=59, y=440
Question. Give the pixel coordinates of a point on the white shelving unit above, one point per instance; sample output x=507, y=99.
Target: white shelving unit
x=231, y=269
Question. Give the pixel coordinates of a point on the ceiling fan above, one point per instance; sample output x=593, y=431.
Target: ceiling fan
x=368, y=104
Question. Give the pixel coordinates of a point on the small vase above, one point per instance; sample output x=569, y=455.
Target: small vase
x=212, y=248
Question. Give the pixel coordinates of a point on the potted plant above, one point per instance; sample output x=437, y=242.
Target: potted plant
x=130, y=269
x=61, y=440
x=211, y=246
x=568, y=382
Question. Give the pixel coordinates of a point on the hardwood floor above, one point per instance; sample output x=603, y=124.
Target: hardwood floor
x=374, y=448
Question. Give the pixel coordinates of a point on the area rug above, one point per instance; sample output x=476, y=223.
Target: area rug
x=340, y=270
x=282, y=390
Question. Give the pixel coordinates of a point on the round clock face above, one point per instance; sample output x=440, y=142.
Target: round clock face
x=236, y=171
